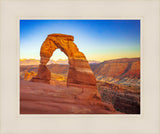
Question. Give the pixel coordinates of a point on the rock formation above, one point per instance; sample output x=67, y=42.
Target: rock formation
x=124, y=71
x=44, y=75
x=40, y=98
x=29, y=75
x=79, y=72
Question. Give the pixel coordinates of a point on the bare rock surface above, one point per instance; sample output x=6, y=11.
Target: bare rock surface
x=41, y=98
x=44, y=75
x=79, y=74
x=121, y=71
x=124, y=99
x=79, y=69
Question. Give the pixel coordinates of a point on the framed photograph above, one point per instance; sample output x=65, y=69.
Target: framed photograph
x=102, y=76
x=80, y=67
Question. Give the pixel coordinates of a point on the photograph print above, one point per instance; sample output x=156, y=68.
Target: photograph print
x=79, y=66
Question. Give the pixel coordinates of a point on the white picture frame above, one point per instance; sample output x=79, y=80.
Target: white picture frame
x=146, y=123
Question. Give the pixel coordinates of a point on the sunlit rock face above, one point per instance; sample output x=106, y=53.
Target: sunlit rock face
x=44, y=75
x=80, y=73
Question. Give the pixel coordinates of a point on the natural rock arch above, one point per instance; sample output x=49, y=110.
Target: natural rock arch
x=79, y=74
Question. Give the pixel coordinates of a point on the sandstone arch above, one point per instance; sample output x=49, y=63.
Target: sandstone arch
x=79, y=72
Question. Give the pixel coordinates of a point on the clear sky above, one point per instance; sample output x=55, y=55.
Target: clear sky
x=98, y=39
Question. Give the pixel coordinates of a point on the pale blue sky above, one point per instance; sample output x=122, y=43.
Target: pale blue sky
x=97, y=39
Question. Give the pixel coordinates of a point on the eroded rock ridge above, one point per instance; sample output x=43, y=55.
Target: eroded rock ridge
x=79, y=74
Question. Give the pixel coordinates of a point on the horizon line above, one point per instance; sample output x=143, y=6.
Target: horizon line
x=87, y=60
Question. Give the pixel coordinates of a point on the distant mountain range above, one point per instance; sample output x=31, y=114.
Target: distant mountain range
x=124, y=71
x=60, y=61
x=29, y=62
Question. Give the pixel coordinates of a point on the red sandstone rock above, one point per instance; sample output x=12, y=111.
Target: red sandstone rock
x=41, y=98
x=79, y=69
x=29, y=75
x=80, y=73
x=44, y=75
x=125, y=70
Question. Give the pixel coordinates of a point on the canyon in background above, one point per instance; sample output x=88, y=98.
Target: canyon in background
x=117, y=81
